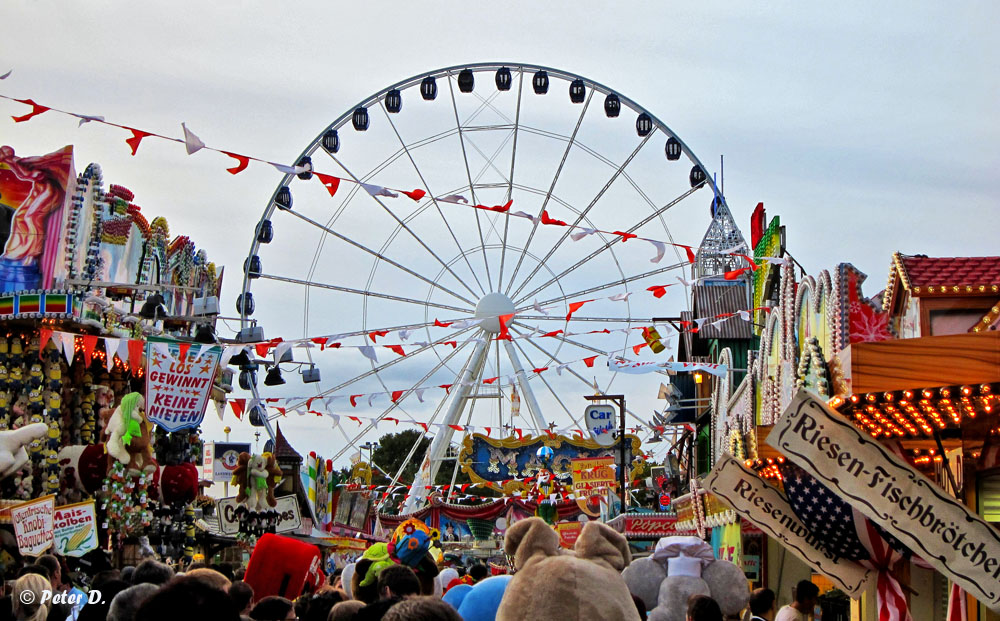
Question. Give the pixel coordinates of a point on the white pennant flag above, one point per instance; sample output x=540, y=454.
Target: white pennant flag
x=220, y=408
x=461, y=324
x=6, y=75
x=192, y=143
x=421, y=343
x=420, y=394
x=521, y=214
x=289, y=170
x=559, y=369
x=620, y=297
x=163, y=349
x=687, y=283
x=280, y=350
x=538, y=308
x=774, y=260
x=700, y=322
x=732, y=250
x=404, y=335
x=123, y=349
x=69, y=345
x=228, y=353
x=86, y=118
x=371, y=397
x=744, y=315
x=578, y=236
x=661, y=249
x=454, y=198
x=368, y=352
x=377, y=190
x=110, y=347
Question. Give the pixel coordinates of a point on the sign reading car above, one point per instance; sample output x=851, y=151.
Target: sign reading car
x=601, y=420
x=289, y=517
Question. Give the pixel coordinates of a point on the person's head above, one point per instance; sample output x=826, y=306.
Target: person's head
x=321, y=603
x=426, y=608
x=238, y=573
x=806, y=594
x=127, y=573
x=153, y=572
x=103, y=577
x=37, y=569
x=242, y=595
x=478, y=571
x=184, y=598
x=397, y=581
x=762, y=602
x=703, y=608
x=196, y=565
x=273, y=608
x=51, y=563
x=225, y=569
x=126, y=604
x=345, y=611
x=210, y=577
x=26, y=597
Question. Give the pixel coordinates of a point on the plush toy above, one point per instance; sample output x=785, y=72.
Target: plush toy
x=256, y=477
x=679, y=568
x=552, y=583
x=179, y=483
x=283, y=566
x=13, y=443
x=481, y=601
x=410, y=544
x=35, y=375
x=130, y=435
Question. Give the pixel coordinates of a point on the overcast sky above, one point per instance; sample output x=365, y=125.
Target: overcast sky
x=868, y=127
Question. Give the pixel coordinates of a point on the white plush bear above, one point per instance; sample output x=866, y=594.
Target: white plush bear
x=679, y=568
x=12, y=446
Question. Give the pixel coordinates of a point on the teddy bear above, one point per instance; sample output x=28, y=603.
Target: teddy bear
x=256, y=476
x=679, y=568
x=13, y=444
x=553, y=583
x=130, y=440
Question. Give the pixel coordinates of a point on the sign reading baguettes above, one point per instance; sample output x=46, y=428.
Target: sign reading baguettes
x=893, y=494
x=768, y=509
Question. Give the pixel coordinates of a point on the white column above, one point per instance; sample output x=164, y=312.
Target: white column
x=526, y=391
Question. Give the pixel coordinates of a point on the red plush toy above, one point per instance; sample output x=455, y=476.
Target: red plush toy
x=283, y=566
x=179, y=484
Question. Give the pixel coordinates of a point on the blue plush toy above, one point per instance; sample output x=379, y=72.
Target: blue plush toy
x=481, y=601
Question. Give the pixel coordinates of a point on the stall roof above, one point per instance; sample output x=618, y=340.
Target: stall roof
x=713, y=300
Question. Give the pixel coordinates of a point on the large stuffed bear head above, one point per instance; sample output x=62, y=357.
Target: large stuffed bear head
x=679, y=568
x=553, y=583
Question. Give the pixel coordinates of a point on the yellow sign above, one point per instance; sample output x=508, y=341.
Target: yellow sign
x=592, y=476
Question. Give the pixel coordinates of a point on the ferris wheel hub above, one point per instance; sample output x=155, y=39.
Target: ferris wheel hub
x=490, y=307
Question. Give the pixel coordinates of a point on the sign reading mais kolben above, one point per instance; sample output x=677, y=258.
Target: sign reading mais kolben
x=957, y=542
x=767, y=508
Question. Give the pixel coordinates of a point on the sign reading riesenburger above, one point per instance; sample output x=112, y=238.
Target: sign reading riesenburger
x=769, y=510
x=894, y=495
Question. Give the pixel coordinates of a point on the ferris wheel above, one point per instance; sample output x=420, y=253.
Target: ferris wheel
x=435, y=275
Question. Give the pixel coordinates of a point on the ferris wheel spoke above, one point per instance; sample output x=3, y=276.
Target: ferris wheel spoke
x=562, y=319
x=406, y=394
x=562, y=338
x=380, y=256
x=614, y=283
x=406, y=228
x=546, y=382
x=386, y=296
x=583, y=214
x=472, y=189
x=510, y=187
x=607, y=245
x=555, y=178
x=433, y=196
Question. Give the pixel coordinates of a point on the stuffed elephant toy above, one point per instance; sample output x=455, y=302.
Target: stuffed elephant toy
x=679, y=568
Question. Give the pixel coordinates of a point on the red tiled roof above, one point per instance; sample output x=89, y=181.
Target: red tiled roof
x=282, y=449
x=923, y=271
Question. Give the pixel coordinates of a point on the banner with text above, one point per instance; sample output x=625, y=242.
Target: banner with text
x=75, y=529
x=591, y=476
x=769, y=510
x=945, y=533
x=179, y=379
x=32, y=522
x=289, y=517
x=226, y=458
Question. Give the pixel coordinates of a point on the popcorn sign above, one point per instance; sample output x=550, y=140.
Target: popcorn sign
x=179, y=379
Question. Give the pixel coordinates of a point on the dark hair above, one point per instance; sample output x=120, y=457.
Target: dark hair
x=271, y=608
x=703, y=608
x=185, y=598
x=225, y=569
x=478, y=571
x=51, y=563
x=109, y=588
x=805, y=590
x=427, y=608
x=105, y=576
x=127, y=573
x=761, y=601
x=400, y=580
x=241, y=593
x=239, y=573
x=36, y=568
x=321, y=603
x=153, y=572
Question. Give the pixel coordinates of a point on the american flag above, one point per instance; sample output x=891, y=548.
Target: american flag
x=828, y=516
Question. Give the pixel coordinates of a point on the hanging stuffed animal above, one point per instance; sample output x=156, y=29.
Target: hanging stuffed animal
x=256, y=477
x=130, y=435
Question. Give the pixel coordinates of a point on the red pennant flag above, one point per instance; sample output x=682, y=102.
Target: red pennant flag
x=540, y=370
x=689, y=251
x=575, y=306
x=554, y=333
x=396, y=394
x=377, y=333
x=636, y=348
x=281, y=411
x=309, y=402
x=517, y=431
x=753, y=266
x=238, y=406
x=36, y=109
x=354, y=400
x=733, y=275
x=355, y=418
x=137, y=136
x=454, y=344
x=551, y=221
x=416, y=194
x=504, y=333
x=262, y=348
x=491, y=380
x=321, y=341
x=447, y=388
x=498, y=208
x=457, y=427
x=184, y=348
x=589, y=361
x=441, y=324
x=489, y=432
x=551, y=435
x=625, y=236
x=242, y=163
x=329, y=182
x=578, y=432
x=424, y=425
x=394, y=420
x=43, y=339
x=464, y=487
x=658, y=290
x=135, y=352
x=89, y=343
x=397, y=349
